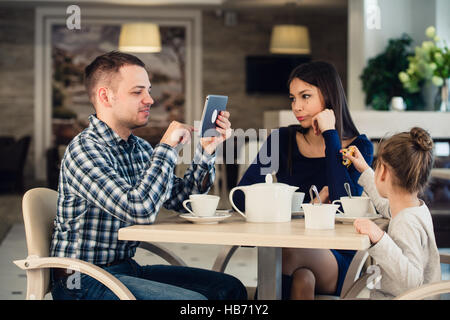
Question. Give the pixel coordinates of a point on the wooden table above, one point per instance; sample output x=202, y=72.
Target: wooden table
x=269, y=238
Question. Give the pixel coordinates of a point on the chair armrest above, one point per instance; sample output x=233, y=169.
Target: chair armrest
x=224, y=256
x=119, y=289
x=356, y=287
x=425, y=291
x=445, y=258
x=163, y=252
x=354, y=270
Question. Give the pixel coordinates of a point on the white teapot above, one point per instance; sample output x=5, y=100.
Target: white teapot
x=266, y=202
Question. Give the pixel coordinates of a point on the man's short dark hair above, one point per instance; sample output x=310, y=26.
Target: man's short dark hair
x=105, y=67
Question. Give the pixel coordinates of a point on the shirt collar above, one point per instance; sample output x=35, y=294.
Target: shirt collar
x=107, y=134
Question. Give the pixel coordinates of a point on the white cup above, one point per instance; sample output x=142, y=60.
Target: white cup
x=203, y=205
x=319, y=216
x=354, y=206
x=297, y=200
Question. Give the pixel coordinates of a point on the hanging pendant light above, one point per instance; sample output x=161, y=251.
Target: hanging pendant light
x=140, y=37
x=290, y=39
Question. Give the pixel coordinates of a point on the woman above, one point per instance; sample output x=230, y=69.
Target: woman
x=309, y=154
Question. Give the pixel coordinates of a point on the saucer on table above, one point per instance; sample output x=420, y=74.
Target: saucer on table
x=299, y=213
x=206, y=220
x=350, y=219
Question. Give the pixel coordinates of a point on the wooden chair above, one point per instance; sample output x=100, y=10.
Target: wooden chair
x=13, y=155
x=39, y=211
x=425, y=291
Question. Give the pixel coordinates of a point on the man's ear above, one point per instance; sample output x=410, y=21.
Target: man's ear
x=104, y=96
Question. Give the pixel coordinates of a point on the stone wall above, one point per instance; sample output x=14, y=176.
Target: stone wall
x=16, y=75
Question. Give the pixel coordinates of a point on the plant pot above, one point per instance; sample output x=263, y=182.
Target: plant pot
x=444, y=103
x=429, y=92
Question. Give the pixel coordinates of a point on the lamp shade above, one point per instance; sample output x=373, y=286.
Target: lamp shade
x=140, y=37
x=290, y=39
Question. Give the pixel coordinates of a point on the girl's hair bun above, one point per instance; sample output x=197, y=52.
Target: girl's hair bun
x=421, y=139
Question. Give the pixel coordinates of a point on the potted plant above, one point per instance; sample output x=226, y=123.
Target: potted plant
x=428, y=70
x=380, y=76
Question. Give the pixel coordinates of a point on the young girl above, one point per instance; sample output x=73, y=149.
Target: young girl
x=407, y=253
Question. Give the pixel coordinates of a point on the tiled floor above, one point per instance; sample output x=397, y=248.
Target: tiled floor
x=242, y=265
x=13, y=280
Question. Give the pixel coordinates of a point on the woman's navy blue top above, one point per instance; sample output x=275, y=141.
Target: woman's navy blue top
x=326, y=171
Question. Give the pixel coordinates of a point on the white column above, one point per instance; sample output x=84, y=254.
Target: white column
x=356, y=58
x=442, y=20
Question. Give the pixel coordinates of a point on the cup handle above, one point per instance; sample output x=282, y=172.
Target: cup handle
x=338, y=201
x=185, y=206
x=232, y=203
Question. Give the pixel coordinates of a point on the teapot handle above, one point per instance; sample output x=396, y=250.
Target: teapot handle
x=232, y=203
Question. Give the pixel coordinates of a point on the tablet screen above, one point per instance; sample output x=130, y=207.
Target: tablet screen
x=214, y=104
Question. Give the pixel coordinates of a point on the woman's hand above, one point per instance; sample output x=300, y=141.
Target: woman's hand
x=368, y=227
x=323, y=121
x=357, y=159
x=324, y=196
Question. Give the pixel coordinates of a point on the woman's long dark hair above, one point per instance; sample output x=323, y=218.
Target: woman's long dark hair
x=324, y=76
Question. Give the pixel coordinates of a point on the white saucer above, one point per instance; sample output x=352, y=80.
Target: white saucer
x=349, y=219
x=205, y=220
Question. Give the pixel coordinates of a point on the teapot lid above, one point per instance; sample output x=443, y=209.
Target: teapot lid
x=270, y=184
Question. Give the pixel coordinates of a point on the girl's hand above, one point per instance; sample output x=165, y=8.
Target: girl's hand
x=323, y=121
x=368, y=227
x=357, y=159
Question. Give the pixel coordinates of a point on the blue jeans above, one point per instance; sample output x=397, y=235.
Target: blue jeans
x=155, y=282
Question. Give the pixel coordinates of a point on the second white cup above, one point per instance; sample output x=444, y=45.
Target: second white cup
x=203, y=205
x=354, y=206
x=297, y=200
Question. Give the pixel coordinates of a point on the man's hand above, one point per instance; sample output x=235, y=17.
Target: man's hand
x=210, y=144
x=368, y=227
x=177, y=133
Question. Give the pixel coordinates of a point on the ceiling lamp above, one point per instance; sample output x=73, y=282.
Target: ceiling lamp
x=140, y=37
x=290, y=39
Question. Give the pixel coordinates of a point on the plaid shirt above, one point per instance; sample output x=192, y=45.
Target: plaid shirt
x=107, y=183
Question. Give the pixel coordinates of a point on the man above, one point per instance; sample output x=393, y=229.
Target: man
x=110, y=179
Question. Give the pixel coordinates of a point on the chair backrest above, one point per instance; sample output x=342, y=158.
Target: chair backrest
x=23, y=146
x=39, y=211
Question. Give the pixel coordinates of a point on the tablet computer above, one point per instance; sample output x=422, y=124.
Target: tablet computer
x=213, y=105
